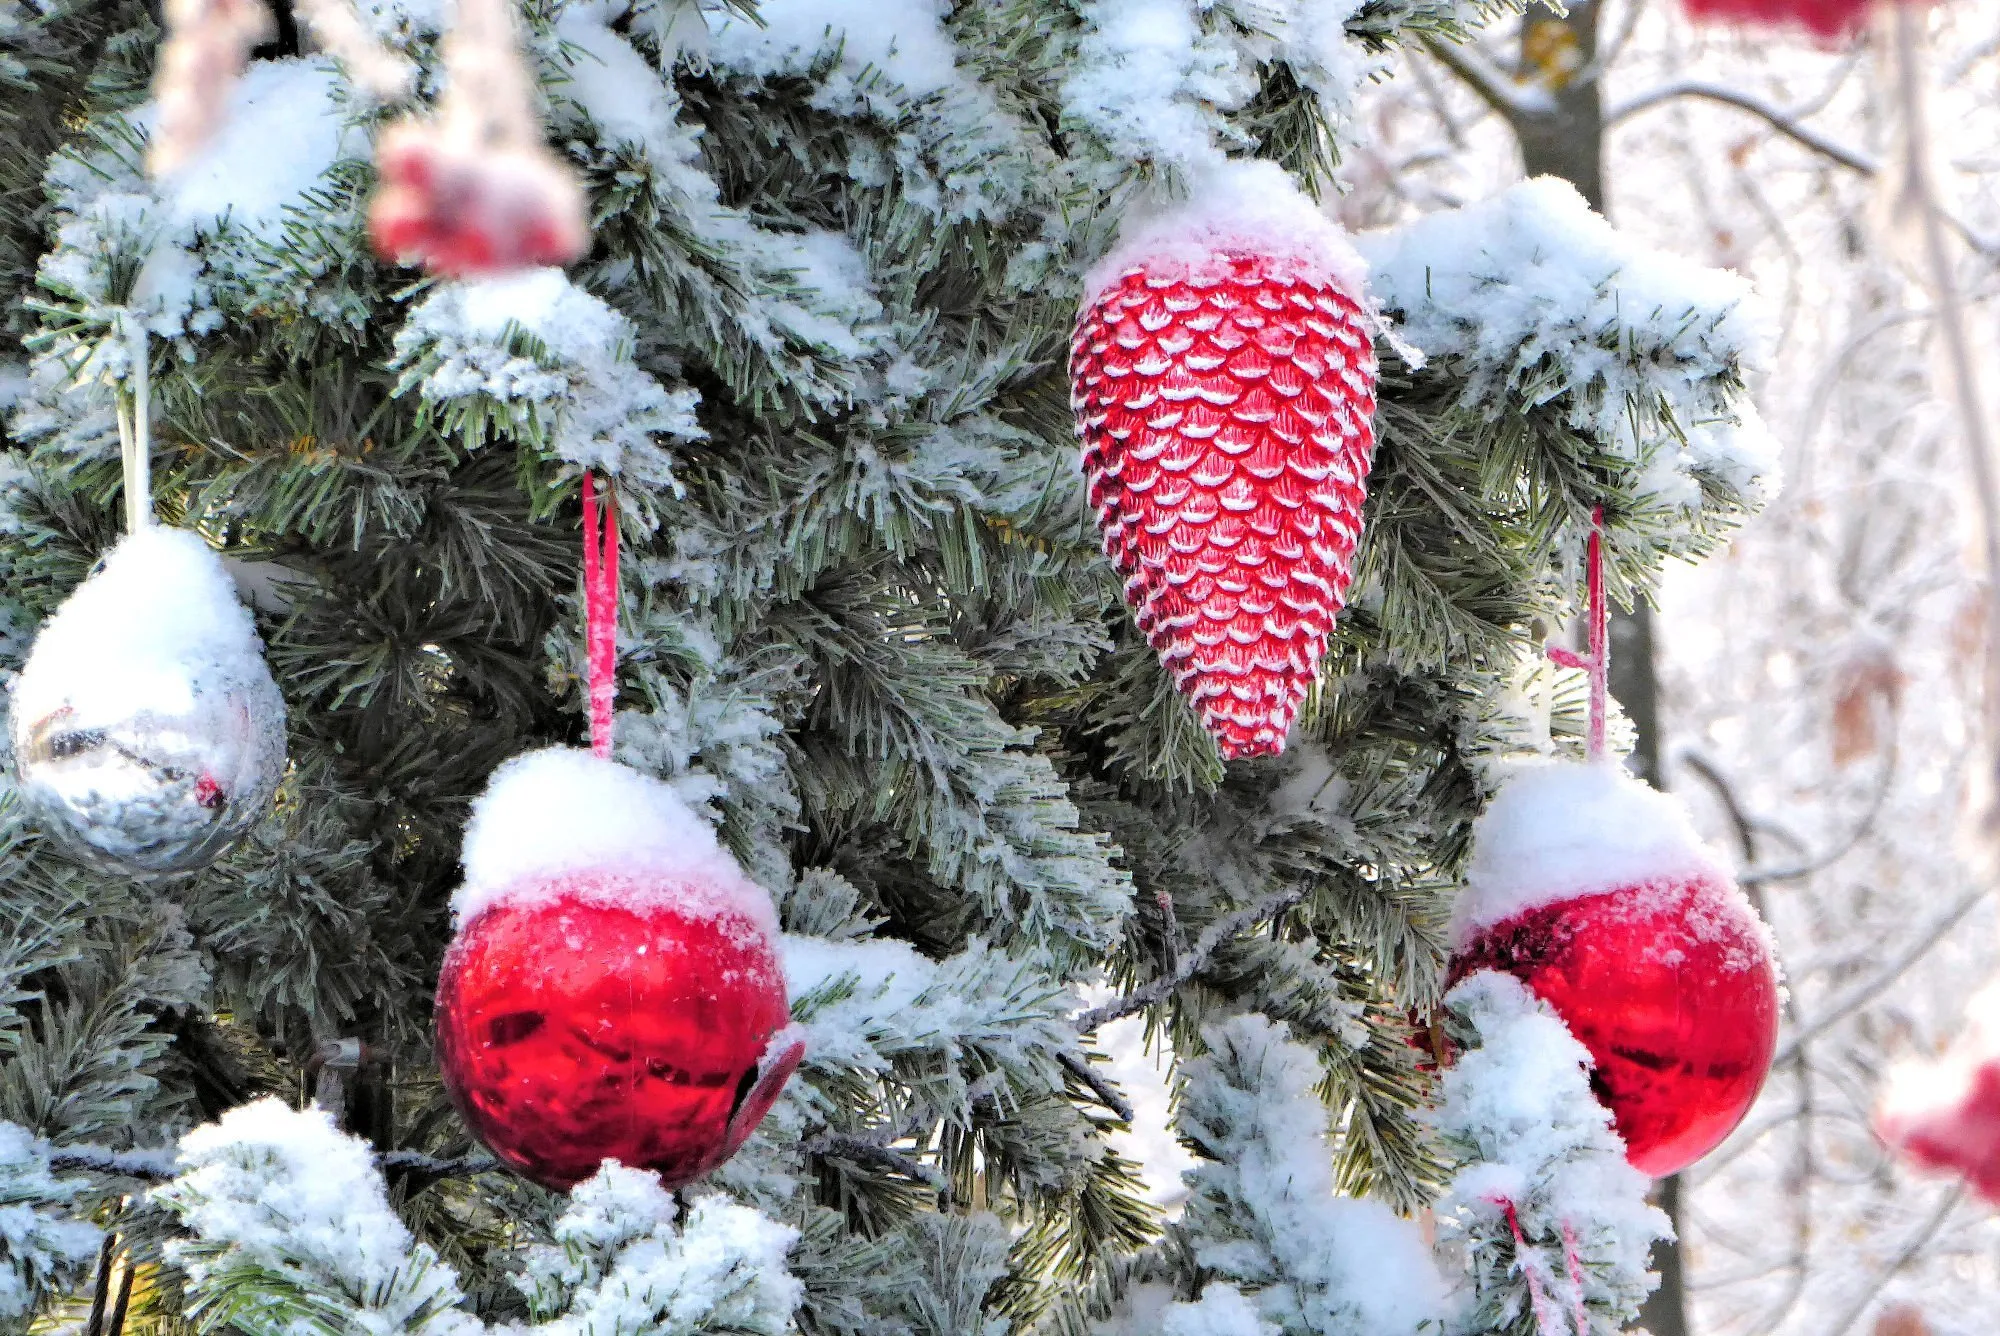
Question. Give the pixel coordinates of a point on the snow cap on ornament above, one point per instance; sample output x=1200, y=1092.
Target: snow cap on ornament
x=1223, y=380
x=148, y=735
x=1944, y=1116
x=1595, y=891
x=614, y=991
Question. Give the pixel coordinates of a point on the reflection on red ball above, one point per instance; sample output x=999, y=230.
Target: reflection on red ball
x=587, y=1025
x=1670, y=986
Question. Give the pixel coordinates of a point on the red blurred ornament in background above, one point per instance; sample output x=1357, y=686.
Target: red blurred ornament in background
x=592, y=1018
x=1670, y=987
x=1224, y=386
x=463, y=210
x=1822, y=18
x=1595, y=891
x=1944, y=1116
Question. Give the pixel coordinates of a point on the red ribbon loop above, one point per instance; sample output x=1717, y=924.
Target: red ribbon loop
x=1598, y=662
x=600, y=604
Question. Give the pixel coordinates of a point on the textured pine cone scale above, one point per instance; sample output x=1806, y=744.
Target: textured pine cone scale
x=1226, y=415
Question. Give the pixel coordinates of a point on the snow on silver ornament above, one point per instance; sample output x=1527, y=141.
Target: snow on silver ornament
x=148, y=734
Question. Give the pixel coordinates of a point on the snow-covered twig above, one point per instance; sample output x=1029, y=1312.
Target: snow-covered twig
x=1106, y=1093
x=1193, y=963
x=151, y=1166
x=863, y=1151
x=1918, y=1242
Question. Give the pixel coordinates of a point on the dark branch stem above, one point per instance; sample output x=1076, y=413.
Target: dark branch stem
x=1107, y=1094
x=863, y=1151
x=1191, y=964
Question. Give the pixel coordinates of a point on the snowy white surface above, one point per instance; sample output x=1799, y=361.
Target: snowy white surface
x=161, y=612
x=269, y=1190
x=1532, y=279
x=576, y=380
x=1520, y=1109
x=286, y=126
x=1241, y=205
x=1263, y=1212
x=562, y=810
x=40, y=1244
x=270, y=1187
x=1557, y=830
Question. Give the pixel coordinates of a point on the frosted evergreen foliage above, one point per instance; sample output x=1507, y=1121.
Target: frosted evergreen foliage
x=867, y=639
x=287, y=1219
x=42, y=1249
x=1517, y=1114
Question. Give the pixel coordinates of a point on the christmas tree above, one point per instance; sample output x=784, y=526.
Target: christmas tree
x=819, y=348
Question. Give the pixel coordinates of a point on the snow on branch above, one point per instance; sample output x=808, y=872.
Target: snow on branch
x=1532, y=296
x=1543, y=1213
x=1784, y=122
x=42, y=1248
x=1194, y=962
x=289, y=1225
x=1263, y=1216
x=553, y=364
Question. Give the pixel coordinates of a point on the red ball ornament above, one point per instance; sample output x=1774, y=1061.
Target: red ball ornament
x=1224, y=384
x=632, y=1010
x=1594, y=891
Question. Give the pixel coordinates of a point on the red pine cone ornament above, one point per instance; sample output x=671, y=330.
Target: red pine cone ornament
x=614, y=991
x=1224, y=384
x=1595, y=891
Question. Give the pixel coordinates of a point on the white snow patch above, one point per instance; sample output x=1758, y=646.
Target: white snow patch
x=618, y=87
x=161, y=613
x=565, y=811
x=1242, y=205
x=284, y=129
x=1559, y=830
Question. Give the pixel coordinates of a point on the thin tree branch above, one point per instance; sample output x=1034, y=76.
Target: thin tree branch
x=1191, y=964
x=1510, y=97
x=1918, y=1242
x=1107, y=1094
x=1784, y=122
x=840, y=1145
x=1867, y=992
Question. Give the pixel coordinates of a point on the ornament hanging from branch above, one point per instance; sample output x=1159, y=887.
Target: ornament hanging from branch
x=148, y=734
x=1595, y=891
x=614, y=989
x=1224, y=384
x=473, y=190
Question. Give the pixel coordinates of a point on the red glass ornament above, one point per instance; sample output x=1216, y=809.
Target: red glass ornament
x=577, y=1026
x=466, y=210
x=1226, y=409
x=1826, y=19
x=1670, y=986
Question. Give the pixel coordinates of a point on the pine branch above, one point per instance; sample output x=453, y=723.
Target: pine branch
x=1106, y=1093
x=863, y=1151
x=1193, y=963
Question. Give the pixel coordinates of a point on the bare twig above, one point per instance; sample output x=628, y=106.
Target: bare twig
x=1783, y=121
x=1107, y=1094
x=1867, y=992
x=157, y=1166
x=416, y=1161
x=1918, y=1242
x=1510, y=97
x=1205, y=946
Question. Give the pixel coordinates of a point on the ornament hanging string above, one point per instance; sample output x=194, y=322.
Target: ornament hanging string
x=1577, y=1321
x=134, y=407
x=600, y=603
x=1597, y=664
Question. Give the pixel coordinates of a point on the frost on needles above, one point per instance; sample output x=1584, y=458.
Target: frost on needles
x=868, y=639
